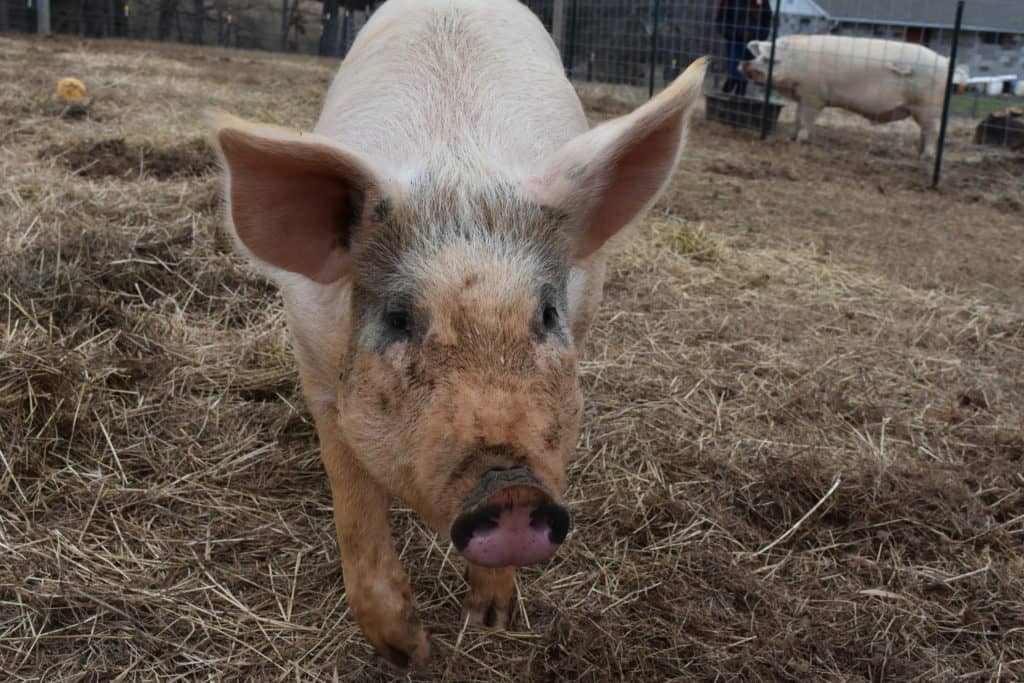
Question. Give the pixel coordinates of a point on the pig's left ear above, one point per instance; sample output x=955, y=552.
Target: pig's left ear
x=607, y=176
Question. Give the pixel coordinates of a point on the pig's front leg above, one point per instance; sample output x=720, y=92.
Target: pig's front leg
x=375, y=581
x=926, y=146
x=491, y=592
x=806, y=113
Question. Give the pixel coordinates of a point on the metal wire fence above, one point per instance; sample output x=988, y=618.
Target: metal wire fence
x=882, y=60
x=851, y=54
x=324, y=28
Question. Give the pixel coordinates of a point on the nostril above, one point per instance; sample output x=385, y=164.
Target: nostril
x=485, y=524
x=555, y=518
x=462, y=531
x=469, y=524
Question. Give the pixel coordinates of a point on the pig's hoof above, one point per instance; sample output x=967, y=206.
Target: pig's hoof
x=410, y=655
x=491, y=592
x=405, y=648
x=488, y=612
x=398, y=636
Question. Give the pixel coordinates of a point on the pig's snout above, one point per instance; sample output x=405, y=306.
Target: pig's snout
x=509, y=519
x=752, y=71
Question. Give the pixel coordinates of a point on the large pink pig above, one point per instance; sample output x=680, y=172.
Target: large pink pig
x=439, y=243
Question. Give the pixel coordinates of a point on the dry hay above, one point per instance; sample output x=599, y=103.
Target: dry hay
x=802, y=457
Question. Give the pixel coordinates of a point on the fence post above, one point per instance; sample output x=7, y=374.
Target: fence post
x=558, y=24
x=42, y=17
x=766, y=109
x=654, y=49
x=347, y=17
x=949, y=95
x=570, y=43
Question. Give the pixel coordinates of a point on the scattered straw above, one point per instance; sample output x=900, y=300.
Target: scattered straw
x=163, y=511
x=790, y=530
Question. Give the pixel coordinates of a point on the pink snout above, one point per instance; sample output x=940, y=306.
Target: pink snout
x=751, y=71
x=517, y=535
x=516, y=525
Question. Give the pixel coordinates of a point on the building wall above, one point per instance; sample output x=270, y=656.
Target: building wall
x=986, y=54
x=794, y=23
x=801, y=8
x=983, y=54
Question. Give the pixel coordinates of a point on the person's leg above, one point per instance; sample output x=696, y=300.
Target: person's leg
x=737, y=52
x=729, y=81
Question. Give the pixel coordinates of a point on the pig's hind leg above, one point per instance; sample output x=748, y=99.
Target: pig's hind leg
x=491, y=592
x=375, y=581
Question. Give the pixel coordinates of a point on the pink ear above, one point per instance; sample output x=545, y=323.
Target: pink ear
x=294, y=199
x=607, y=176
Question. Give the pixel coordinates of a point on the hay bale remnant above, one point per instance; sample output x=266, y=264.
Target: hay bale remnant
x=71, y=90
x=1004, y=128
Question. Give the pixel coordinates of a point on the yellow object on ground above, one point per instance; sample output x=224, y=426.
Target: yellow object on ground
x=71, y=89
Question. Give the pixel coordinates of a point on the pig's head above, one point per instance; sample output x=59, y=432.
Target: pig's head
x=757, y=68
x=458, y=387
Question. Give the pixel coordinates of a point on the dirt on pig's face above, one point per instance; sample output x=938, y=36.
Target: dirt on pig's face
x=460, y=359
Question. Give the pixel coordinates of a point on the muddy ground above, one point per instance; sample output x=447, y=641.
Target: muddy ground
x=802, y=459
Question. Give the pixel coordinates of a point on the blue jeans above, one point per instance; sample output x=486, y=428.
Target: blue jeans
x=736, y=53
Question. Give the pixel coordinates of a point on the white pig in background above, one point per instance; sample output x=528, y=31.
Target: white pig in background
x=882, y=80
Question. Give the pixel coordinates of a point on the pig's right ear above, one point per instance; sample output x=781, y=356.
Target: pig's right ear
x=606, y=177
x=293, y=199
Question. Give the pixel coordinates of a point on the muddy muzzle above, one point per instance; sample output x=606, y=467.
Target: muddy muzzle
x=509, y=519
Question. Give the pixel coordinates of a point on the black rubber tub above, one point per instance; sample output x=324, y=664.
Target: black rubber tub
x=740, y=112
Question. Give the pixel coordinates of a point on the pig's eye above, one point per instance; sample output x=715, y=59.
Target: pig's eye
x=550, y=317
x=398, y=322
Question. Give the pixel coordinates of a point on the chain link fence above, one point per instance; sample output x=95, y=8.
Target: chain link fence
x=641, y=45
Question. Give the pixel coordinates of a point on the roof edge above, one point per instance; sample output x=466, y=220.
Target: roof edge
x=922, y=24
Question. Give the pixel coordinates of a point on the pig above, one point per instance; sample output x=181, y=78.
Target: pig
x=882, y=80
x=439, y=242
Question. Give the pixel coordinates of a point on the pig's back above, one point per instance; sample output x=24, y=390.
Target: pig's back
x=471, y=82
x=869, y=75
x=840, y=58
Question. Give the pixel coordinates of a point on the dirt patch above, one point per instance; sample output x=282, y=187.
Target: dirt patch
x=115, y=158
x=758, y=169
x=862, y=208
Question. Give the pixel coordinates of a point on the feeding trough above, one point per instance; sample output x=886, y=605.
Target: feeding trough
x=740, y=111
